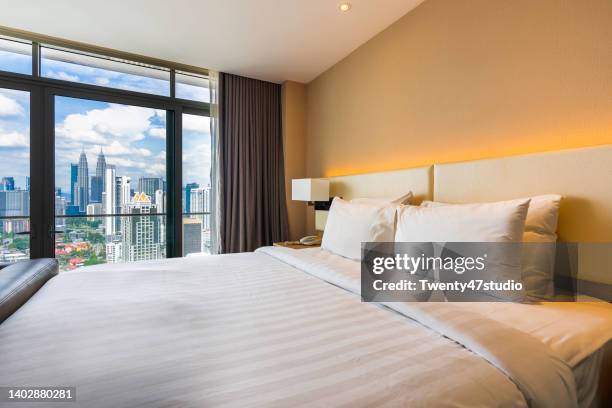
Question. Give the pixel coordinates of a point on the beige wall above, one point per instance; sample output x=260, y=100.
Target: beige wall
x=466, y=79
x=294, y=141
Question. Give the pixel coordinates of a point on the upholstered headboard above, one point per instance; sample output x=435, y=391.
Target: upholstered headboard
x=582, y=176
x=387, y=184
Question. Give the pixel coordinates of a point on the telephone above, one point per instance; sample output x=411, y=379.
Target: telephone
x=310, y=240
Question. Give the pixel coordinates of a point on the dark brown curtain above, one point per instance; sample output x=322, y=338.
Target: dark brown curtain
x=253, y=211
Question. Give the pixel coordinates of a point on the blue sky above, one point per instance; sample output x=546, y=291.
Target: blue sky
x=132, y=138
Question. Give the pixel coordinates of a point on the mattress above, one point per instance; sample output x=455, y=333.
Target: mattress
x=258, y=329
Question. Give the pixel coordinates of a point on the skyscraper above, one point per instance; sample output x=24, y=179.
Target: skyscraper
x=192, y=236
x=60, y=209
x=8, y=183
x=101, y=164
x=15, y=203
x=160, y=201
x=97, y=181
x=82, y=185
x=112, y=200
x=188, y=189
x=74, y=171
x=141, y=234
x=149, y=185
x=97, y=188
x=200, y=203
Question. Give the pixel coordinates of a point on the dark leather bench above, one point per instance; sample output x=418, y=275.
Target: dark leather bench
x=20, y=281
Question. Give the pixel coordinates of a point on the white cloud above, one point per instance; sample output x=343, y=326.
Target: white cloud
x=115, y=148
x=10, y=107
x=64, y=76
x=159, y=133
x=101, y=126
x=196, y=123
x=13, y=139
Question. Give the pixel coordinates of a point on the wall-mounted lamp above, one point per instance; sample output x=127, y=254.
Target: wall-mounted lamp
x=315, y=191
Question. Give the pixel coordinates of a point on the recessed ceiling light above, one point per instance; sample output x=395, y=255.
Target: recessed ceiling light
x=344, y=7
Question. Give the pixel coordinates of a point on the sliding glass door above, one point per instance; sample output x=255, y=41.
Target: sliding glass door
x=14, y=175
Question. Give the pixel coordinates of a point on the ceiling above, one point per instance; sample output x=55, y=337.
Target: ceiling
x=273, y=40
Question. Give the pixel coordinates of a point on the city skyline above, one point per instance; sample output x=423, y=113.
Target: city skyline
x=133, y=137
x=133, y=142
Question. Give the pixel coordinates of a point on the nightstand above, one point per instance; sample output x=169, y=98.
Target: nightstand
x=294, y=245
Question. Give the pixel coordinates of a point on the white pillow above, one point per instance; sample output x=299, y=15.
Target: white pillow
x=538, y=260
x=502, y=221
x=481, y=223
x=350, y=224
x=542, y=217
x=403, y=200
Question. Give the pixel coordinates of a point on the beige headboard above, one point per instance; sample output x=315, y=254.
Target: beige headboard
x=582, y=176
x=385, y=184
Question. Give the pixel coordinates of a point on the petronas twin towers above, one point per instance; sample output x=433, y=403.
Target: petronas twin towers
x=81, y=187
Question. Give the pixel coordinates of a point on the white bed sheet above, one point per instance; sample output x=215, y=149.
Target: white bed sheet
x=576, y=331
x=240, y=330
x=246, y=329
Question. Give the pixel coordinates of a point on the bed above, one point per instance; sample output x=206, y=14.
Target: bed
x=281, y=327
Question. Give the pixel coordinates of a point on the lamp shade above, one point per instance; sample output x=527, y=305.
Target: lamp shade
x=310, y=190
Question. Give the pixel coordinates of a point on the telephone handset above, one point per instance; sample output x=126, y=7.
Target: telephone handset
x=310, y=240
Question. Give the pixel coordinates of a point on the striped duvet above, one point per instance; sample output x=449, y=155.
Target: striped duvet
x=263, y=330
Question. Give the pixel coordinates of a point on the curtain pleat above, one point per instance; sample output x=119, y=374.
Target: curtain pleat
x=253, y=211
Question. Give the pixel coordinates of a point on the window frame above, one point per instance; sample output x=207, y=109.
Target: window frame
x=42, y=142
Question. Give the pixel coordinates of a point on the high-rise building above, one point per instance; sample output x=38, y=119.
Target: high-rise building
x=113, y=251
x=14, y=203
x=93, y=209
x=8, y=183
x=101, y=164
x=125, y=188
x=28, y=183
x=82, y=185
x=160, y=201
x=200, y=203
x=187, y=200
x=192, y=236
x=116, y=195
x=97, y=181
x=149, y=185
x=60, y=209
x=141, y=237
x=97, y=188
x=74, y=172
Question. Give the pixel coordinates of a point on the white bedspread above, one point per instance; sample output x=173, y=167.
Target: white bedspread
x=247, y=330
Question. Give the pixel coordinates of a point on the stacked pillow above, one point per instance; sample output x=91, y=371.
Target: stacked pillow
x=540, y=234
x=531, y=220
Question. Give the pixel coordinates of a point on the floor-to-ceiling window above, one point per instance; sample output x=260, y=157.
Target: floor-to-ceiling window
x=110, y=182
x=120, y=145
x=14, y=175
x=196, y=184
